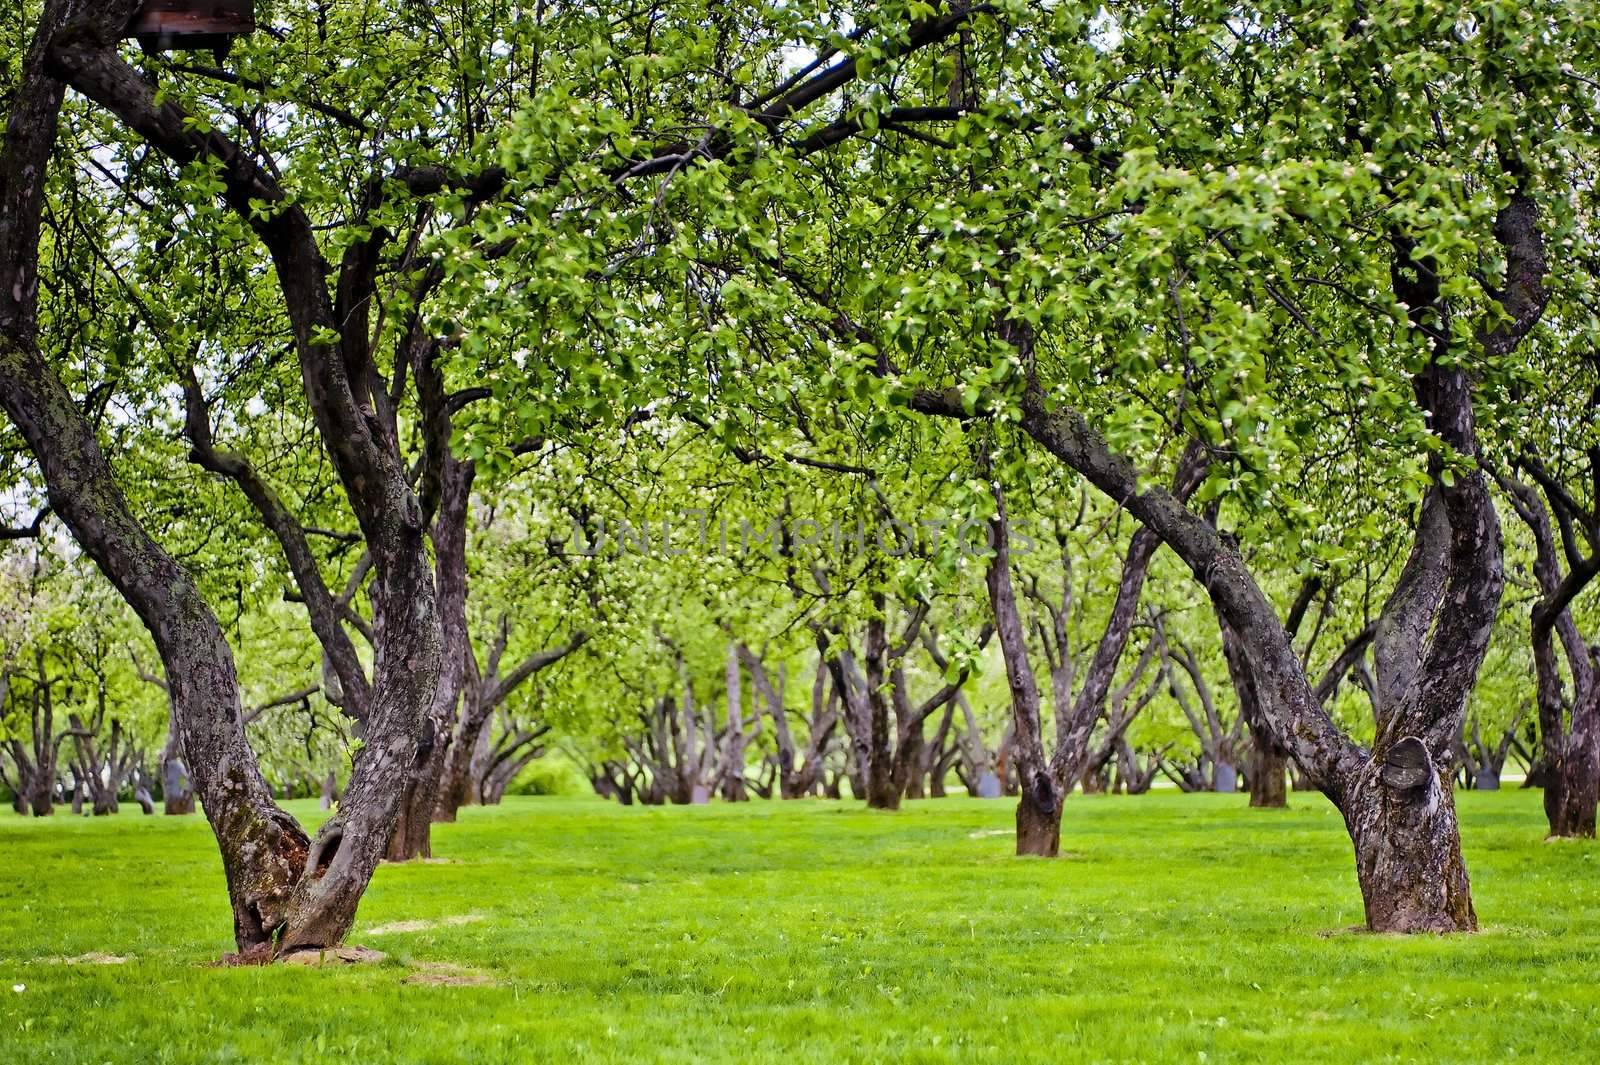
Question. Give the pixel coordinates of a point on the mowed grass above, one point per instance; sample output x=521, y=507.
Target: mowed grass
x=1178, y=928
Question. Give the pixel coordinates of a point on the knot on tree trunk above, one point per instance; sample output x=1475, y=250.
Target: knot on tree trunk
x=1402, y=819
x=1406, y=767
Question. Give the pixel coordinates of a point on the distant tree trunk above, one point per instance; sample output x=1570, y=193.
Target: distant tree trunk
x=1044, y=783
x=938, y=755
x=913, y=754
x=1130, y=774
x=471, y=755
x=141, y=793
x=177, y=793
x=733, y=787
x=981, y=776
x=1215, y=770
x=1571, y=752
x=1269, y=762
x=1571, y=795
x=857, y=712
x=1039, y=811
x=883, y=791
x=1268, y=773
x=40, y=794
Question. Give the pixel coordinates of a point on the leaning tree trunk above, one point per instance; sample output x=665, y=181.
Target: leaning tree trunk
x=263, y=850
x=336, y=366
x=352, y=419
x=1400, y=828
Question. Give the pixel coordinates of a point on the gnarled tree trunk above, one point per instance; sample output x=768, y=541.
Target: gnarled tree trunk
x=360, y=432
x=1401, y=815
x=263, y=850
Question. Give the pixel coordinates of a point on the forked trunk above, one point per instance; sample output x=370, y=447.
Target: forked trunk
x=1039, y=819
x=275, y=880
x=1401, y=814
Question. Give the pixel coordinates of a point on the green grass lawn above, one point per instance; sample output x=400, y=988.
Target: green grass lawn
x=1177, y=928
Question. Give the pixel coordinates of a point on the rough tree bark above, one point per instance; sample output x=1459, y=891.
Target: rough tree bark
x=263, y=849
x=349, y=406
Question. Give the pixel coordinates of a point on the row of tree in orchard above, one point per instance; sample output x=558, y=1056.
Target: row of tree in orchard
x=678, y=725
x=782, y=397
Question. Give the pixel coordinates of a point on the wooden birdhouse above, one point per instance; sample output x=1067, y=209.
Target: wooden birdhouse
x=191, y=25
